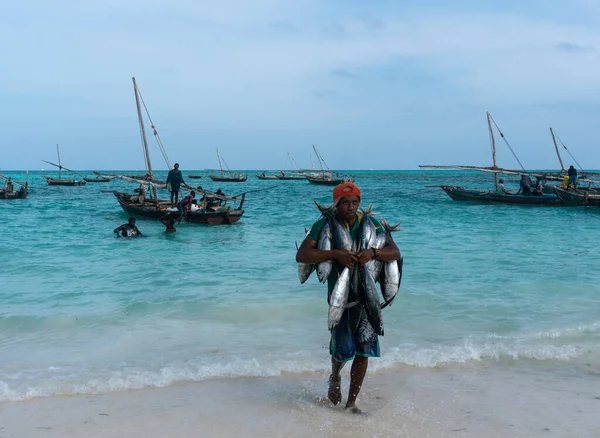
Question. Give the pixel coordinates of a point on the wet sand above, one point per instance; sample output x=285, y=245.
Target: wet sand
x=498, y=400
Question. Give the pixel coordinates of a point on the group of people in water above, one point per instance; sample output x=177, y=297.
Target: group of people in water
x=528, y=188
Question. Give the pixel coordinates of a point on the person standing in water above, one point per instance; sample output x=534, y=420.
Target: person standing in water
x=128, y=230
x=175, y=178
x=345, y=345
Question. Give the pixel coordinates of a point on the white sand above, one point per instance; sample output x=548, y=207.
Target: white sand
x=497, y=401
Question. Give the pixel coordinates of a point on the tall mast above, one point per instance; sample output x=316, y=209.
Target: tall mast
x=493, y=140
x=292, y=161
x=59, y=163
x=319, y=158
x=220, y=165
x=143, y=133
x=562, y=167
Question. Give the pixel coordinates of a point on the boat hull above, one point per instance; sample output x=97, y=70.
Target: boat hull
x=221, y=216
x=324, y=182
x=18, y=194
x=228, y=178
x=64, y=182
x=460, y=194
x=147, y=209
x=577, y=198
x=98, y=180
x=269, y=177
x=290, y=178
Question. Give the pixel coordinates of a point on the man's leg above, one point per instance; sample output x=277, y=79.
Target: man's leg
x=335, y=391
x=172, y=196
x=357, y=375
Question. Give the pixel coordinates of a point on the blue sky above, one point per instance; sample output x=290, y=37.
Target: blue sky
x=381, y=84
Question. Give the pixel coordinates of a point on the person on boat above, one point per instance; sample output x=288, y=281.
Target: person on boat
x=185, y=204
x=500, y=190
x=175, y=178
x=263, y=174
x=128, y=230
x=565, y=182
x=344, y=345
x=282, y=173
x=525, y=184
x=572, y=172
x=539, y=187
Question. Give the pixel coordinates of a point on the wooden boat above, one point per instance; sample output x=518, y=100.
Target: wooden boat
x=578, y=198
x=486, y=196
x=326, y=176
x=195, y=176
x=214, y=210
x=264, y=176
x=60, y=181
x=98, y=179
x=226, y=174
x=294, y=175
x=7, y=191
x=461, y=194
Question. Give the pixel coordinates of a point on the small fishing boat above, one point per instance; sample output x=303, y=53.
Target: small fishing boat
x=326, y=176
x=97, y=179
x=226, y=174
x=264, y=176
x=578, y=198
x=213, y=208
x=496, y=196
x=461, y=194
x=294, y=175
x=9, y=191
x=195, y=176
x=60, y=181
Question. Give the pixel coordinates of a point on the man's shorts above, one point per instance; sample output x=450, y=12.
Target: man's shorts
x=344, y=343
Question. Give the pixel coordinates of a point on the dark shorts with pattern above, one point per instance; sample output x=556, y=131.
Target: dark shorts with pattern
x=345, y=343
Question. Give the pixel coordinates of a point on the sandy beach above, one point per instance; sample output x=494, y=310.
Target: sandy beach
x=466, y=401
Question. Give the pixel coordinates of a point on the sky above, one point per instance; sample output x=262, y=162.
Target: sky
x=373, y=85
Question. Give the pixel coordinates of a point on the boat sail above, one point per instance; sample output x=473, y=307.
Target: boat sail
x=213, y=208
x=60, y=181
x=461, y=194
x=226, y=174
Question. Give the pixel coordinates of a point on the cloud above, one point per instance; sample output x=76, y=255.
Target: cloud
x=574, y=48
x=343, y=73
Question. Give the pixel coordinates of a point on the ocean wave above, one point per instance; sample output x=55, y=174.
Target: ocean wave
x=470, y=350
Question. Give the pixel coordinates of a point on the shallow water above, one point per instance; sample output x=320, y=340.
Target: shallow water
x=84, y=312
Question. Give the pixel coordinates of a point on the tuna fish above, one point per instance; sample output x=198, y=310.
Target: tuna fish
x=339, y=298
x=304, y=271
x=390, y=278
x=324, y=243
x=370, y=300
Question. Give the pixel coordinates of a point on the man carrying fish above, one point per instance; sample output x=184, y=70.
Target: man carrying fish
x=351, y=251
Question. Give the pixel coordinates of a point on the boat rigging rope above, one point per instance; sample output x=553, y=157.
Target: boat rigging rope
x=569, y=152
x=507, y=144
x=158, y=140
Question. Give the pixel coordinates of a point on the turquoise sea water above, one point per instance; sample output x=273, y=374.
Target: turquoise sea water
x=82, y=311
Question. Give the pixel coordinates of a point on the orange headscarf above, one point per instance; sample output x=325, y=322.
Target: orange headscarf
x=345, y=189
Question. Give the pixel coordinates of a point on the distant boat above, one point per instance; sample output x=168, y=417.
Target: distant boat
x=487, y=196
x=60, y=181
x=266, y=177
x=98, y=179
x=326, y=176
x=226, y=174
x=291, y=176
x=195, y=176
x=8, y=189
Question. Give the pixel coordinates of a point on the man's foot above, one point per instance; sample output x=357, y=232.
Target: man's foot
x=335, y=390
x=353, y=409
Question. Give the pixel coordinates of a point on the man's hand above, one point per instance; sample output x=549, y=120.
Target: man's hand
x=365, y=256
x=346, y=258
